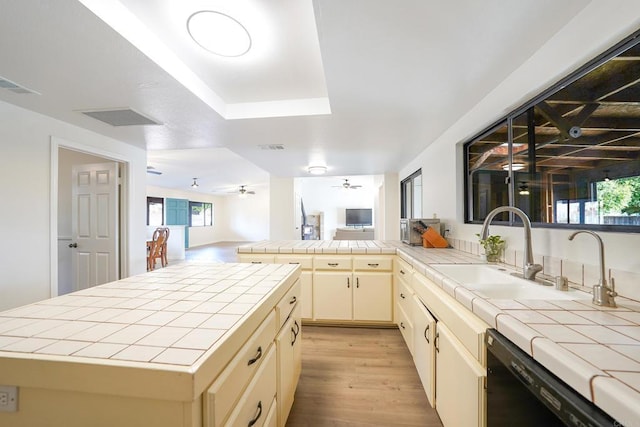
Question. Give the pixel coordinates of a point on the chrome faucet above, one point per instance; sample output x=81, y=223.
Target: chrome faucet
x=602, y=293
x=529, y=269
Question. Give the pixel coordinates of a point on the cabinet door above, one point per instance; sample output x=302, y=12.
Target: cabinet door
x=306, y=281
x=372, y=297
x=460, y=395
x=289, y=345
x=332, y=297
x=424, y=357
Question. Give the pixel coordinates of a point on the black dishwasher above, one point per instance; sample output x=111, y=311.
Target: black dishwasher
x=521, y=392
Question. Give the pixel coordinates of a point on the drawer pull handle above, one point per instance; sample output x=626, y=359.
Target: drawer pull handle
x=426, y=332
x=257, y=417
x=402, y=272
x=402, y=296
x=256, y=262
x=293, y=300
x=436, y=342
x=295, y=322
x=348, y=284
x=374, y=265
x=332, y=264
x=357, y=282
x=255, y=359
x=402, y=325
x=294, y=263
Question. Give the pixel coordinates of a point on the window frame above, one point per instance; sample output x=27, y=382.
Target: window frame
x=617, y=49
x=408, y=182
x=204, y=205
x=155, y=200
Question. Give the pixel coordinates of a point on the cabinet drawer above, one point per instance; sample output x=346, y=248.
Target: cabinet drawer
x=272, y=416
x=404, y=296
x=287, y=303
x=306, y=262
x=257, y=258
x=406, y=328
x=332, y=263
x=402, y=268
x=255, y=403
x=372, y=263
x=227, y=388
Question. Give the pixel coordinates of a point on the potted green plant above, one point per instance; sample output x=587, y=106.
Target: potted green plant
x=493, y=247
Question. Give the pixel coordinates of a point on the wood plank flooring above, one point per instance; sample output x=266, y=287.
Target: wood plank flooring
x=357, y=377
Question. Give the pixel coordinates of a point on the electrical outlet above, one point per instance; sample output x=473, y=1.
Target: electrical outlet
x=8, y=398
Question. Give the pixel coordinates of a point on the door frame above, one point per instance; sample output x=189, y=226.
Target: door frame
x=123, y=215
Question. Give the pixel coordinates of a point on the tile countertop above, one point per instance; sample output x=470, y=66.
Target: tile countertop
x=596, y=350
x=179, y=325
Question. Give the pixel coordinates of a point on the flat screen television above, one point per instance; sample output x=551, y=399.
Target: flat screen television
x=359, y=217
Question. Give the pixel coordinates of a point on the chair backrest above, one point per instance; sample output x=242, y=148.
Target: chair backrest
x=158, y=239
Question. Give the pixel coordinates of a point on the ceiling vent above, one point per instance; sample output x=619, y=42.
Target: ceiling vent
x=274, y=147
x=15, y=88
x=120, y=117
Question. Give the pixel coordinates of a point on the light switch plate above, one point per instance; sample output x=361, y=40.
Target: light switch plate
x=8, y=398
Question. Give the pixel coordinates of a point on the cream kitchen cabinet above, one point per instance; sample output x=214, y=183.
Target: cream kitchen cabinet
x=460, y=379
x=257, y=258
x=404, y=313
x=372, y=297
x=424, y=354
x=289, y=345
x=332, y=295
x=306, y=280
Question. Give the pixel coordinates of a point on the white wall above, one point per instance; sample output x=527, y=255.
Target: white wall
x=598, y=27
x=324, y=194
x=234, y=219
x=282, y=208
x=27, y=223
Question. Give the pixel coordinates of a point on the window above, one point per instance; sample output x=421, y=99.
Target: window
x=201, y=214
x=570, y=157
x=155, y=211
x=411, y=195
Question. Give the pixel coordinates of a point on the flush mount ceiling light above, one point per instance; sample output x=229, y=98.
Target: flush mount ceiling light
x=219, y=33
x=195, y=183
x=317, y=170
x=524, y=189
x=515, y=166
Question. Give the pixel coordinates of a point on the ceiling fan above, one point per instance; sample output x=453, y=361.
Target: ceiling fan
x=242, y=192
x=347, y=185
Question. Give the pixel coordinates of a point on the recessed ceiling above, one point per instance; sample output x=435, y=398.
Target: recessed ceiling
x=396, y=77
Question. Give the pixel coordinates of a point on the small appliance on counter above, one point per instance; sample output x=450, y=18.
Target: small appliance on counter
x=410, y=229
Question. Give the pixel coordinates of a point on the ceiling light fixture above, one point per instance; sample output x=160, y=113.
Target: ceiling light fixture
x=606, y=176
x=515, y=166
x=195, y=183
x=219, y=33
x=317, y=170
x=524, y=189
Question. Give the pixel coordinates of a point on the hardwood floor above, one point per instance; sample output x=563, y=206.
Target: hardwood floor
x=357, y=377
x=220, y=251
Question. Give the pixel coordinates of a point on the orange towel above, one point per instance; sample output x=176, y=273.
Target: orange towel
x=434, y=239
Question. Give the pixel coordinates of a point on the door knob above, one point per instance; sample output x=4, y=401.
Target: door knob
x=73, y=245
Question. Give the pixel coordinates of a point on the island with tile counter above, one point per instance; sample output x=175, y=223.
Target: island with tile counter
x=593, y=349
x=193, y=344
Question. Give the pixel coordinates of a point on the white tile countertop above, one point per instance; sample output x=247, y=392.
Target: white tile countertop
x=183, y=323
x=594, y=349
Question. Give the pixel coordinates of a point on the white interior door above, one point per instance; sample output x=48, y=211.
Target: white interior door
x=94, y=224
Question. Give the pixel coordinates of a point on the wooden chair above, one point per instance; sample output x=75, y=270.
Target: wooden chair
x=155, y=250
x=164, y=259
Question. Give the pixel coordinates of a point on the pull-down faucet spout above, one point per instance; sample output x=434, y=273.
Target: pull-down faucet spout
x=529, y=269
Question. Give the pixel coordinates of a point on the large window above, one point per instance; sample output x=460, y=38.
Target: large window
x=155, y=211
x=201, y=214
x=411, y=195
x=569, y=158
